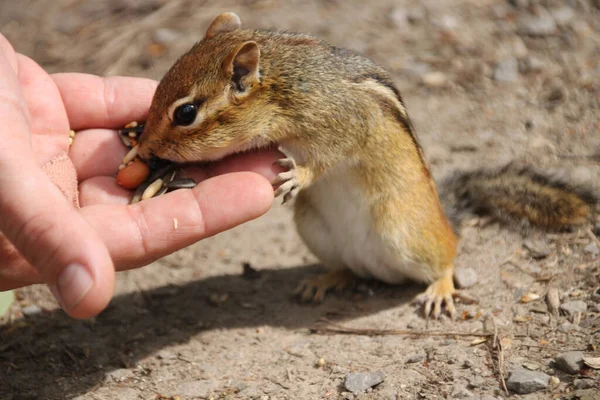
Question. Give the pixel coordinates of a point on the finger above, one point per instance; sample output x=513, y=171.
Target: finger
x=54, y=238
x=103, y=190
x=96, y=152
x=49, y=126
x=13, y=110
x=15, y=271
x=8, y=52
x=139, y=234
x=262, y=162
x=95, y=102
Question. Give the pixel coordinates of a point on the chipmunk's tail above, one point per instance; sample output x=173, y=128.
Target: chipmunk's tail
x=518, y=194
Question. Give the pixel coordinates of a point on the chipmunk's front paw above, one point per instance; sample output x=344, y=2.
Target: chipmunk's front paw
x=439, y=292
x=287, y=181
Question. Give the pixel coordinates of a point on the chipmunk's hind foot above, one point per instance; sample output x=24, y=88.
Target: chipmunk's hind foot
x=440, y=292
x=313, y=290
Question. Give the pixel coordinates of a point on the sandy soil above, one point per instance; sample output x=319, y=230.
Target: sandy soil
x=484, y=81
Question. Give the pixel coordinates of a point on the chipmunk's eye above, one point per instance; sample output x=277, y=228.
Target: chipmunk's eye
x=185, y=114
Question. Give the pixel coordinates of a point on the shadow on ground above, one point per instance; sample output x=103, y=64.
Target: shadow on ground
x=54, y=349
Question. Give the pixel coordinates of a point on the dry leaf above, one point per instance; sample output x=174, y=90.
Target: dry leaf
x=592, y=362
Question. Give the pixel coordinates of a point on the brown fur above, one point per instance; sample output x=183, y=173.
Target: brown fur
x=518, y=194
x=333, y=107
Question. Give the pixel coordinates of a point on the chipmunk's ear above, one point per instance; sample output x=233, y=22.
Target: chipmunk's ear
x=242, y=66
x=226, y=22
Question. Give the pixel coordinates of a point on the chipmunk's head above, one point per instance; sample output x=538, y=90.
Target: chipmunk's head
x=211, y=103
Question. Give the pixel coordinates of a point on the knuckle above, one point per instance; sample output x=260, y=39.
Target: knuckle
x=39, y=240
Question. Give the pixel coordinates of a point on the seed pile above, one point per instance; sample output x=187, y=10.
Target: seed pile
x=149, y=180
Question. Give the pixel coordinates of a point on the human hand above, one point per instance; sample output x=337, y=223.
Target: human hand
x=45, y=239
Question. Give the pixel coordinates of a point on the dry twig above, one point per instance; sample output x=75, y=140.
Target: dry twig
x=326, y=326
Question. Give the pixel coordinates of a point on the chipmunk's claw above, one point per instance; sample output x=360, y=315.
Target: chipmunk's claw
x=440, y=292
x=286, y=182
x=313, y=290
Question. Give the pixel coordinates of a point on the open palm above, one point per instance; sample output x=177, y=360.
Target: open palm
x=45, y=239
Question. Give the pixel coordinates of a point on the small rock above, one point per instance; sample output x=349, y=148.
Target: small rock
x=359, y=382
x=415, y=358
x=567, y=327
x=465, y=277
x=434, y=79
x=461, y=393
x=571, y=362
x=573, y=307
x=347, y=396
x=507, y=70
x=542, y=24
x=563, y=16
x=583, y=383
x=554, y=381
x=523, y=381
x=120, y=375
x=468, y=364
x=592, y=249
x=475, y=382
x=32, y=310
x=538, y=248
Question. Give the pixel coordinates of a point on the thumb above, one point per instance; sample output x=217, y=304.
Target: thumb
x=36, y=217
x=56, y=240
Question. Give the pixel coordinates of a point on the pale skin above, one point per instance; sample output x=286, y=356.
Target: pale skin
x=44, y=239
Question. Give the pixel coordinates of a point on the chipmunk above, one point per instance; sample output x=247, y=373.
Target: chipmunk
x=365, y=200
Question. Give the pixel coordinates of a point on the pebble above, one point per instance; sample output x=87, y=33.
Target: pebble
x=359, y=382
x=592, y=249
x=573, y=307
x=523, y=381
x=583, y=383
x=567, y=327
x=415, y=358
x=434, y=79
x=571, y=362
x=542, y=24
x=32, y=310
x=563, y=16
x=538, y=248
x=465, y=277
x=506, y=70
x=461, y=393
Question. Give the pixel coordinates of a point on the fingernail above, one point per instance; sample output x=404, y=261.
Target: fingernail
x=72, y=285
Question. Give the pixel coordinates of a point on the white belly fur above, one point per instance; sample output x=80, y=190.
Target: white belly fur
x=346, y=217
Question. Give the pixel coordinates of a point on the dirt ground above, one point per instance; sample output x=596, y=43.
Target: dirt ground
x=485, y=81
